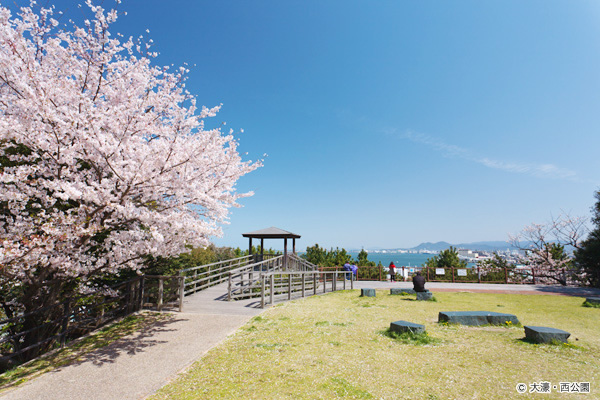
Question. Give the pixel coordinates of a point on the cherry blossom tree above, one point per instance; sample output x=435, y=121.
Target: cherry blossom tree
x=544, y=246
x=104, y=157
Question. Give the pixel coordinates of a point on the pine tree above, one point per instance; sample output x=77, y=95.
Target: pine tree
x=587, y=257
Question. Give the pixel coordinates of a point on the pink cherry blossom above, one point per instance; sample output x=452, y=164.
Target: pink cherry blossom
x=105, y=157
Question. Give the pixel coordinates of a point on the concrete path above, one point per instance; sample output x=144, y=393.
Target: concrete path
x=136, y=366
x=486, y=287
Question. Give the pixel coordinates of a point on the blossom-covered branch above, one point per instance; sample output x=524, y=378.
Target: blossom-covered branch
x=544, y=244
x=104, y=157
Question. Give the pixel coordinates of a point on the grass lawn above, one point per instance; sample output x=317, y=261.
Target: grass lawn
x=336, y=346
x=74, y=351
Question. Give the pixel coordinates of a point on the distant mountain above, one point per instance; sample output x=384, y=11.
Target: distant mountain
x=488, y=246
x=439, y=246
x=483, y=246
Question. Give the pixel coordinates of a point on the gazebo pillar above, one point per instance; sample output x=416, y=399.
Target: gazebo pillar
x=284, y=253
x=262, y=249
x=250, y=247
x=272, y=233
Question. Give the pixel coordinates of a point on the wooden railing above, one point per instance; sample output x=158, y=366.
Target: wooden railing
x=203, y=276
x=283, y=278
x=243, y=282
x=160, y=291
x=27, y=335
x=295, y=263
x=284, y=285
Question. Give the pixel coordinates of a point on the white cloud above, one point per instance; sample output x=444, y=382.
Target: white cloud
x=450, y=150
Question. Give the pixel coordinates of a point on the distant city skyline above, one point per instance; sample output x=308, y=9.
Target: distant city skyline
x=392, y=123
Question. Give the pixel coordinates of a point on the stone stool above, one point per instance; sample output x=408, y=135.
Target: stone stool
x=476, y=318
x=405, y=326
x=593, y=300
x=542, y=334
x=426, y=295
x=367, y=293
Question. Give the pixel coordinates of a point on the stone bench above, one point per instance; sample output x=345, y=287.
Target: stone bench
x=426, y=295
x=367, y=293
x=402, y=291
x=542, y=334
x=405, y=326
x=593, y=300
x=477, y=318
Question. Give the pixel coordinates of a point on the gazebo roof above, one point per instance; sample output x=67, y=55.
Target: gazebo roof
x=271, y=233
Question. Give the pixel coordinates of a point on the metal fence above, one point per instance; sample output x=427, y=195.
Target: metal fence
x=513, y=275
x=506, y=275
x=364, y=273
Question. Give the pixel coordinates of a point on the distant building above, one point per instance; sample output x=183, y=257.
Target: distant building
x=467, y=253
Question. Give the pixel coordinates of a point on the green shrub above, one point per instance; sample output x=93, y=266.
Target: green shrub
x=418, y=339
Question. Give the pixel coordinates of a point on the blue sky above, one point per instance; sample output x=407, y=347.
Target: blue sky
x=390, y=123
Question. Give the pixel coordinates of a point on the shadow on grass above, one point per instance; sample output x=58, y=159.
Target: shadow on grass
x=577, y=291
x=432, y=300
x=554, y=343
x=103, y=346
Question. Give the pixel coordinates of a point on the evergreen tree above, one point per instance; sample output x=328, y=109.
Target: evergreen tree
x=446, y=259
x=316, y=255
x=496, y=262
x=587, y=257
x=363, y=257
x=339, y=257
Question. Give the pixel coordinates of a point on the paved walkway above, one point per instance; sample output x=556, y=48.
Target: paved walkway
x=136, y=366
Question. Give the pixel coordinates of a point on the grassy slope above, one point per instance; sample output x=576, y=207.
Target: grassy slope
x=74, y=351
x=332, y=346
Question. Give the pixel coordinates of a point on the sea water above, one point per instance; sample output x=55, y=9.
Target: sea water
x=400, y=259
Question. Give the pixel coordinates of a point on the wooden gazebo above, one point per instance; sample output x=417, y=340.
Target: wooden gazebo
x=272, y=233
